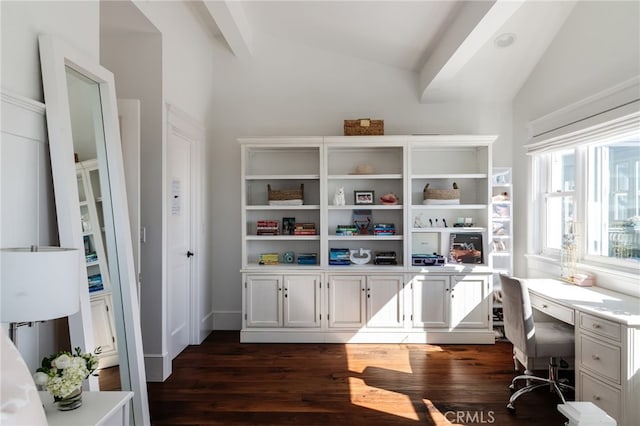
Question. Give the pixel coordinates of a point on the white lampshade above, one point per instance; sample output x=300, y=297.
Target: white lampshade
x=39, y=283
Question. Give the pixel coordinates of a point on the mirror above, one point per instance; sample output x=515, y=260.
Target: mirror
x=91, y=204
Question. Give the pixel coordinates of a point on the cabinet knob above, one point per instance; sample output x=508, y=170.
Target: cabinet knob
x=596, y=398
x=544, y=306
x=595, y=357
x=190, y=253
x=596, y=326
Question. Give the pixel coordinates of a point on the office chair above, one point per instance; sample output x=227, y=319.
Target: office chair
x=542, y=339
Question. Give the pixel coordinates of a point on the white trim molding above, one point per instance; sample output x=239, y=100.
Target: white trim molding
x=586, y=112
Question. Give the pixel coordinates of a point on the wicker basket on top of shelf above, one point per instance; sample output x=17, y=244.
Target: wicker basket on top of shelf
x=285, y=196
x=441, y=196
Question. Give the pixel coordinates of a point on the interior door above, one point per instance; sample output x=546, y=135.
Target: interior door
x=178, y=242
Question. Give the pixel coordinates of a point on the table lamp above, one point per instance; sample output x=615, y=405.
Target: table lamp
x=38, y=284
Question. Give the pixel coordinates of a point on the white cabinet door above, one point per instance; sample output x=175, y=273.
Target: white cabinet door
x=430, y=299
x=469, y=301
x=384, y=301
x=346, y=301
x=104, y=330
x=301, y=300
x=264, y=300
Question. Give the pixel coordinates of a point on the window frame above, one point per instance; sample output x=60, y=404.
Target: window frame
x=580, y=142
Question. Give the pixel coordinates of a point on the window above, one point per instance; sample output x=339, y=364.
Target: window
x=588, y=185
x=613, y=213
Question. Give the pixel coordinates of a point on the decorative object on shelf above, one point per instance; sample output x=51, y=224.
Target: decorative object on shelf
x=419, y=221
x=269, y=259
x=285, y=197
x=28, y=276
x=464, y=222
x=308, y=259
x=338, y=197
x=501, y=210
x=363, y=126
x=339, y=256
x=363, y=197
x=427, y=260
x=362, y=220
x=360, y=256
x=385, y=258
x=466, y=248
x=288, y=257
x=425, y=243
x=62, y=373
x=364, y=169
x=389, y=199
x=288, y=225
x=441, y=196
x=503, y=196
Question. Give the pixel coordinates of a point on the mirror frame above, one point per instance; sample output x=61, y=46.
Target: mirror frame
x=55, y=56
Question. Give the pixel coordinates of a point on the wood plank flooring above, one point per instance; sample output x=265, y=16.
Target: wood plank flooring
x=224, y=382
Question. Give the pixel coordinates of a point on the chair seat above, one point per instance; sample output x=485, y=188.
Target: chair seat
x=554, y=339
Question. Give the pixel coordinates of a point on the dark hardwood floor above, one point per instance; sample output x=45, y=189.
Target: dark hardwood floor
x=224, y=382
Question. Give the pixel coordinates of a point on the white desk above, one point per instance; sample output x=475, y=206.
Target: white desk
x=98, y=408
x=607, y=332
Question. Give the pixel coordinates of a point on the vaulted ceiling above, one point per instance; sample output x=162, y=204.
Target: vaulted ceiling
x=461, y=50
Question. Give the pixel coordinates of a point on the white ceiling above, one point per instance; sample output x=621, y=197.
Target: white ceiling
x=448, y=43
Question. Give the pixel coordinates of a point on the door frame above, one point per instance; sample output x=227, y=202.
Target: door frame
x=181, y=124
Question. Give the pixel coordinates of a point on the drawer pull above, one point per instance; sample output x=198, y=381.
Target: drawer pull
x=596, y=326
x=596, y=398
x=544, y=306
x=595, y=357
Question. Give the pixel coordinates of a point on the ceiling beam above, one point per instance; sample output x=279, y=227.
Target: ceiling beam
x=476, y=24
x=232, y=21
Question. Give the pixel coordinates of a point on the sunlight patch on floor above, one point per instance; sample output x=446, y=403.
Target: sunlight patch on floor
x=381, y=400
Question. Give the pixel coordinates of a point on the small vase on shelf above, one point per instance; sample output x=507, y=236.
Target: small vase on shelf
x=71, y=401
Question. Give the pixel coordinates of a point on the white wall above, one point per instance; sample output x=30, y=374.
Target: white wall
x=297, y=90
x=26, y=190
x=165, y=60
x=597, y=48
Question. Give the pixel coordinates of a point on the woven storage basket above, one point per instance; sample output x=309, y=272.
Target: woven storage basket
x=363, y=126
x=285, y=194
x=441, y=196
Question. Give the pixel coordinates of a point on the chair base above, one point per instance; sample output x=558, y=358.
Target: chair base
x=554, y=385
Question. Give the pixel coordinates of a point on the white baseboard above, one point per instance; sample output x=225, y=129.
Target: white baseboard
x=158, y=367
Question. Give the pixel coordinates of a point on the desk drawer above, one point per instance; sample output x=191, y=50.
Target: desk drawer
x=600, y=357
x=605, y=397
x=600, y=326
x=553, y=309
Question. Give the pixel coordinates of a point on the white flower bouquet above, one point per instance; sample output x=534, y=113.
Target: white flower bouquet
x=62, y=373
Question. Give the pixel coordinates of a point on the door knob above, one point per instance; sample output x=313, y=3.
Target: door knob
x=189, y=253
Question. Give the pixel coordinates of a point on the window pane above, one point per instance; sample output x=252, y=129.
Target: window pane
x=560, y=220
x=614, y=200
x=563, y=176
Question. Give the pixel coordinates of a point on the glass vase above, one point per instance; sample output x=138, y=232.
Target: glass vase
x=71, y=401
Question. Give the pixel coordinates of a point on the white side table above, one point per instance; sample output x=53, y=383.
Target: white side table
x=98, y=408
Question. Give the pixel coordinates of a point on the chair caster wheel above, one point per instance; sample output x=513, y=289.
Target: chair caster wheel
x=511, y=408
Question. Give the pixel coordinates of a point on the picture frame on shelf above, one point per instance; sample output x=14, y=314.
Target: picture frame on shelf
x=288, y=225
x=363, y=197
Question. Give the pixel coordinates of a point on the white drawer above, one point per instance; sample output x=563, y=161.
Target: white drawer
x=605, y=397
x=553, y=309
x=600, y=357
x=600, y=326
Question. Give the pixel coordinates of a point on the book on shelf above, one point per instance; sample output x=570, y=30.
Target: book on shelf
x=304, y=229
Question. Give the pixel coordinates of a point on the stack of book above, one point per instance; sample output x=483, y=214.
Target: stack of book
x=380, y=229
x=304, y=229
x=95, y=283
x=269, y=259
x=268, y=227
x=346, y=230
x=339, y=256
